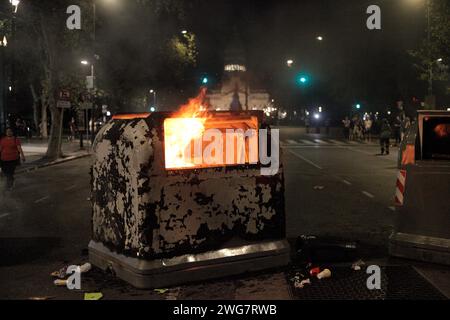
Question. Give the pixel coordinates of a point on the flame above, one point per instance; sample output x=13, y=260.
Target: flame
x=184, y=127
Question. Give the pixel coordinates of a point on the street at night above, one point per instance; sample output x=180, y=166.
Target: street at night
x=198, y=154
x=48, y=224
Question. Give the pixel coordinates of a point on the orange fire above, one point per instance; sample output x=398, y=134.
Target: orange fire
x=187, y=125
x=185, y=131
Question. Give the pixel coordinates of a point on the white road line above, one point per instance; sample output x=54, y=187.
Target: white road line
x=4, y=215
x=292, y=141
x=306, y=160
x=346, y=182
x=306, y=141
x=70, y=188
x=353, y=142
x=392, y=208
x=319, y=141
x=337, y=142
x=368, y=194
x=42, y=199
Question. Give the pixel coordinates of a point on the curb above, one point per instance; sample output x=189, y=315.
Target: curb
x=55, y=162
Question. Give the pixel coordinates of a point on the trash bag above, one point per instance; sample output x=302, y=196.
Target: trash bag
x=310, y=248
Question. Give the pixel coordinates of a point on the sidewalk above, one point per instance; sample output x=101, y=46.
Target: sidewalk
x=35, y=149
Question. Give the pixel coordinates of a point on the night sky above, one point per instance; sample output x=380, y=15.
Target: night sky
x=352, y=64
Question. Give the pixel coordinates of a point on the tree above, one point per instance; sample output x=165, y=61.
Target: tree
x=432, y=56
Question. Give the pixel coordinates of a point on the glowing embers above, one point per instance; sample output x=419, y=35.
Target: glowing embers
x=130, y=116
x=220, y=140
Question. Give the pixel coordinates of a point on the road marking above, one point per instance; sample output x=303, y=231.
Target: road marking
x=392, y=208
x=292, y=141
x=353, y=142
x=70, y=188
x=306, y=141
x=319, y=141
x=306, y=160
x=42, y=199
x=336, y=142
x=4, y=215
x=368, y=194
x=346, y=182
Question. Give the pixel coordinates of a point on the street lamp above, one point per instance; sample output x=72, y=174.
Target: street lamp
x=85, y=63
x=15, y=4
x=289, y=62
x=183, y=31
x=320, y=38
x=439, y=60
x=152, y=109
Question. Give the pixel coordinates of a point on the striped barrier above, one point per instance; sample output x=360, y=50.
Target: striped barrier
x=400, y=187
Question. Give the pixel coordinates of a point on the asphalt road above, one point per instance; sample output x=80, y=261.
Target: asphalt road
x=332, y=188
x=338, y=188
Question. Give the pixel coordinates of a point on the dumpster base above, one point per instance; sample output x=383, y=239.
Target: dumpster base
x=191, y=267
x=419, y=247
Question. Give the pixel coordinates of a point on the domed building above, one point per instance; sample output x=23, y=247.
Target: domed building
x=237, y=89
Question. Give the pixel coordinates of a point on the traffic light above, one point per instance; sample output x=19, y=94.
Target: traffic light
x=204, y=80
x=358, y=106
x=303, y=79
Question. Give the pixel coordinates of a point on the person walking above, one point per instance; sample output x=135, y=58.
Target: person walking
x=10, y=154
x=397, y=130
x=73, y=130
x=385, y=135
x=368, y=128
x=346, y=122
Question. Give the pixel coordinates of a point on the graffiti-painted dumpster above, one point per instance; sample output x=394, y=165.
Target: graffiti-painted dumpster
x=160, y=220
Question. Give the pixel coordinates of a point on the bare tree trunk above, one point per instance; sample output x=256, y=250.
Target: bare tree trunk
x=54, y=143
x=44, y=120
x=51, y=77
x=35, y=109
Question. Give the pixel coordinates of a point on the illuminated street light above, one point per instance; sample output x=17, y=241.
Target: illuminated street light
x=154, y=100
x=439, y=60
x=183, y=31
x=15, y=4
x=290, y=62
x=4, y=42
x=320, y=38
x=85, y=62
x=316, y=116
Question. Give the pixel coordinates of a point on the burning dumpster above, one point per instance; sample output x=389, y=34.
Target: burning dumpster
x=168, y=209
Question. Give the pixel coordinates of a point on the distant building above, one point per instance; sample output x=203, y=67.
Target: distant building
x=238, y=89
